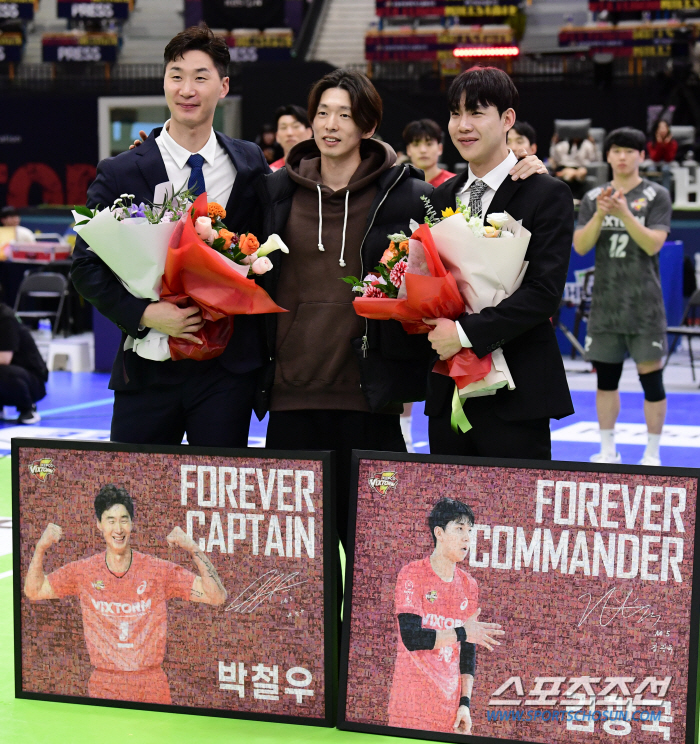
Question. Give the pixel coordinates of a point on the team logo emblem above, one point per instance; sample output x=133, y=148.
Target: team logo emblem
x=141, y=587
x=99, y=585
x=382, y=482
x=42, y=469
x=431, y=596
x=639, y=204
x=464, y=604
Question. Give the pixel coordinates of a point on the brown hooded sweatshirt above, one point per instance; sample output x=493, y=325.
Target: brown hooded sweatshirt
x=316, y=366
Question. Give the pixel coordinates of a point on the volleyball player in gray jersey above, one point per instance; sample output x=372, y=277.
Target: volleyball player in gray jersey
x=627, y=221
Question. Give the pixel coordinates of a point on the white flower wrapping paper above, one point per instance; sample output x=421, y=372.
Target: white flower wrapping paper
x=135, y=250
x=487, y=270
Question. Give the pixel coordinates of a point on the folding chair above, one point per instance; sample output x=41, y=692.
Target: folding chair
x=42, y=285
x=689, y=327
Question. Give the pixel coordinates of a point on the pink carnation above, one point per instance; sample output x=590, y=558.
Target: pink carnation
x=397, y=273
x=371, y=290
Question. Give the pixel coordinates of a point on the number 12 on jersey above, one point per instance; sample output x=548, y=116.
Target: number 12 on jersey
x=618, y=243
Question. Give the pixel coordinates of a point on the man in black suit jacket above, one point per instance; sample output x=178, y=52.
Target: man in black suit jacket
x=510, y=423
x=158, y=402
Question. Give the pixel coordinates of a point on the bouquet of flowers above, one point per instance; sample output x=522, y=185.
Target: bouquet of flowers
x=454, y=264
x=488, y=264
x=181, y=252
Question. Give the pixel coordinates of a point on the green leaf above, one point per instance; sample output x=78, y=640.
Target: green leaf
x=218, y=244
x=85, y=212
x=84, y=222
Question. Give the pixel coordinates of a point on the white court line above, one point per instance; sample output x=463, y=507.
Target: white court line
x=674, y=435
x=5, y=575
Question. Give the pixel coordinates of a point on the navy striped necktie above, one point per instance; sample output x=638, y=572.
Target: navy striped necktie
x=196, y=182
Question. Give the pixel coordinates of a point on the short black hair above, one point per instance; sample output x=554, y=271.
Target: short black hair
x=446, y=511
x=483, y=86
x=109, y=496
x=421, y=129
x=292, y=110
x=526, y=130
x=626, y=137
x=8, y=212
x=202, y=39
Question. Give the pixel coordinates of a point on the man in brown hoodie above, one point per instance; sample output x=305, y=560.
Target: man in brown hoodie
x=334, y=205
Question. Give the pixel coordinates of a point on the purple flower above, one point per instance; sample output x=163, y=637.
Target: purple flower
x=135, y=211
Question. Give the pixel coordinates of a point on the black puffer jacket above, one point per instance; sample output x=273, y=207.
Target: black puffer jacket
x=393, y=364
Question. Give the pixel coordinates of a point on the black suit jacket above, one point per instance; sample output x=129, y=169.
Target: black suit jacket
x=521, y=323
x=137, y=172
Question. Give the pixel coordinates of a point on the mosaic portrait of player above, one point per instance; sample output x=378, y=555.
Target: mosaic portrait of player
x=123, y=599
x=437, y=612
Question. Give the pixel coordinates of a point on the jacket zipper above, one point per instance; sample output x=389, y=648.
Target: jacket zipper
x=365, y=342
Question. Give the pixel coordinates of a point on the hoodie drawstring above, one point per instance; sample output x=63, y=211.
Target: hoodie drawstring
x=345, y=224
x=320, y=224
x=320, y=219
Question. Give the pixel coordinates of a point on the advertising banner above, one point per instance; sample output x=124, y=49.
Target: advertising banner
x=79, y=47
x=412, y=46
x=521, y=601
x=90, y=9
x=14, y=9
x=486, y=9
x=644, y=40
x=175, y=578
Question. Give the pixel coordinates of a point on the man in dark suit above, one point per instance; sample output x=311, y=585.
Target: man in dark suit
x=510, y=423
x=158, y=402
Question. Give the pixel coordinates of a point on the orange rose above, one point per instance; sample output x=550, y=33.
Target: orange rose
x=389, y=254
x=248, y=244
x=228, y=236
x=215, y=210
x=403, y=246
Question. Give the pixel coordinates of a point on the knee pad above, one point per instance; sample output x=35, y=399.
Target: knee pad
x=608, y=375
x=653, y=386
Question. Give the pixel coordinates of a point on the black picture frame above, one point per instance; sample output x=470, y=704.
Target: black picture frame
x=360, y=455
x=330, y=567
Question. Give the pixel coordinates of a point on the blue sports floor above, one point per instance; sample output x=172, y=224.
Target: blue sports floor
x=78, y=406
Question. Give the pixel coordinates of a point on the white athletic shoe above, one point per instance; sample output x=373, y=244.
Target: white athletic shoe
x=601, y=458
x=649, y=460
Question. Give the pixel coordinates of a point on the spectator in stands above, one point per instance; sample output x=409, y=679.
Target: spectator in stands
x=569, y=160
x=662, y=150
x=23, y=373
x=292, y=127
x=267, y=142
x=522, y=137
x=627, y=221
x=423, y=139
x=9, y=217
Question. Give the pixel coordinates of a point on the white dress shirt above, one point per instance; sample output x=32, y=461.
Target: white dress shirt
x=218, y=169
x=493, y=179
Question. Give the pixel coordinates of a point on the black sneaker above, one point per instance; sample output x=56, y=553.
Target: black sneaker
x=30, y=416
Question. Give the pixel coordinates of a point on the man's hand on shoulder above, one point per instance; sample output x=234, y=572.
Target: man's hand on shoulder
x=178, y=322
x=526, y=166
x=138, y=142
